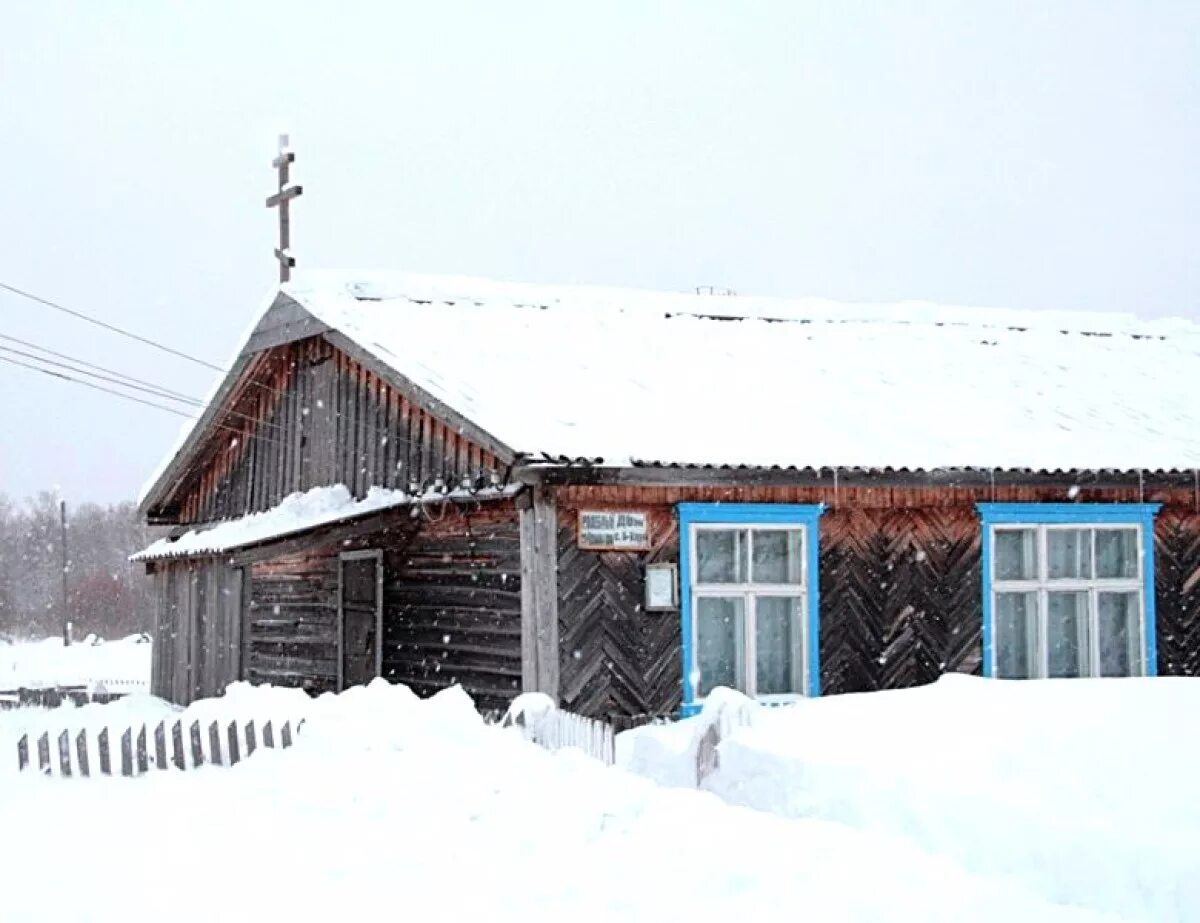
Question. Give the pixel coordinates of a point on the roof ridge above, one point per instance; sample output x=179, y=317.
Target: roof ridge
x=479, y=291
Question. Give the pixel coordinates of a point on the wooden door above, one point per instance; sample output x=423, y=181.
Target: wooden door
x=360, y=617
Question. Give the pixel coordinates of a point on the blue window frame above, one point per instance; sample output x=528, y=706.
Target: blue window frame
x=1068, y=589
x=750, y=595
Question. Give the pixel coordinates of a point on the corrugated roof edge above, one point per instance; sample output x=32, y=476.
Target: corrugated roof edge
x=659, y=473
x=163, y=549
x=888, y=469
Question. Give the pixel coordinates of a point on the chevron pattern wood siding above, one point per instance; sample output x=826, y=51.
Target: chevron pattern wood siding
x=617, y=661
x=900, y=597
x=1177, y=592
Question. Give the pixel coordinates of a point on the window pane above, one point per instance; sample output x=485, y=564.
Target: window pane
x=779, y=633
x=1015, y=551
x=720, y=556
x=1116, y=553
x=1015, y=635
x=777, y=556
x=1120, y=634
x=1069, y=553
x=719, y=635
x=1066, y=634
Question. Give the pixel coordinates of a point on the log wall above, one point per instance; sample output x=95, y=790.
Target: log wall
x=291, y=622
x=452, y=607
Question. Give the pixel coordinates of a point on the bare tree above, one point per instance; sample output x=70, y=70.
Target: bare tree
x=107, y=595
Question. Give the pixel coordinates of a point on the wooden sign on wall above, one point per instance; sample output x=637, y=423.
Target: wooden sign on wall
x=613, y=530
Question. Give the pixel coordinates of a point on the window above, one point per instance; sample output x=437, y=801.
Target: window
x=1068, y=590
x=749, y=574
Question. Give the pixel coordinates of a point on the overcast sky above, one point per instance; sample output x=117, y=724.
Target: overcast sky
x=1034, y=155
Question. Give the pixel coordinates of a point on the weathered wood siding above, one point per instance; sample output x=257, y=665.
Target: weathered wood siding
x=198, y=621
x=900, y=583
x=901, y=596
x=291, y=623
x=452, y=607
x=452, y=611
x=1177, y=590
x=616, y=658
x=307, y=415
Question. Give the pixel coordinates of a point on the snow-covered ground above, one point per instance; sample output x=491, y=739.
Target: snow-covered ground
x=865, y=808
x=1083, y=791
x=119, y=666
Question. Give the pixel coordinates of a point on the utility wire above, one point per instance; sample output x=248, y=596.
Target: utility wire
x=107, y=326
x=167, y=349
x=129, y=397
x=99, y=368
x=175, y=352
x=152, y=389
x=88, y=384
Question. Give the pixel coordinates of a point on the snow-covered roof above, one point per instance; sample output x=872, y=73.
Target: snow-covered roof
x=633, y=377
x=297, y=513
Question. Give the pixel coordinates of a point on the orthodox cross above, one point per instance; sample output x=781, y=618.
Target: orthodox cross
x=282, y=198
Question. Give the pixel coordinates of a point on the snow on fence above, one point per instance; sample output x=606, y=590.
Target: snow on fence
x=544, y=724
x=54, y=696
x=725, y=713
x=171, y=743
x=90, y=753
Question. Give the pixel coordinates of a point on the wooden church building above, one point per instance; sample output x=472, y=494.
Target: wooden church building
x=626, y=499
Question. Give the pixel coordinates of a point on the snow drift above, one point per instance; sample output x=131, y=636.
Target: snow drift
x=1082, y=790
x=393, y=806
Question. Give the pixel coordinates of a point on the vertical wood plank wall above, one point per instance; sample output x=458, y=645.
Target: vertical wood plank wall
x=307, y=415
x=198, y=624
x=900, y=586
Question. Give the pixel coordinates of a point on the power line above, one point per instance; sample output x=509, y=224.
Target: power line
x=88, y=384
x=107, y=326
x=152, y=389
x=129, y=397
x=163, y=392
x=98, y=368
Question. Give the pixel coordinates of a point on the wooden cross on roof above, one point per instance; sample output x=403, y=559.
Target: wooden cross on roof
x=285, y=158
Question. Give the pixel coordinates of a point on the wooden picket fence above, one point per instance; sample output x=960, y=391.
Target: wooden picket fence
x=141, y=750
x=556, y=729
x=174, y=745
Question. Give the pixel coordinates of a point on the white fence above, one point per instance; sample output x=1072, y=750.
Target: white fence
x=547, y=726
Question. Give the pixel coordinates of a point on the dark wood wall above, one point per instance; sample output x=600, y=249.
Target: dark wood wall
x=307, y=415
x=452, y=607
x=615, y=658
x=901, y=590
x=451, y=610
x=1177, y=590
x=291, y=623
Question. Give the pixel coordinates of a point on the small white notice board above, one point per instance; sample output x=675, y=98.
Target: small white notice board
x=613, y=530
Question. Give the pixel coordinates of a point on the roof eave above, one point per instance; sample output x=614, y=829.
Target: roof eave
x=285, y=320
x=679, y=475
